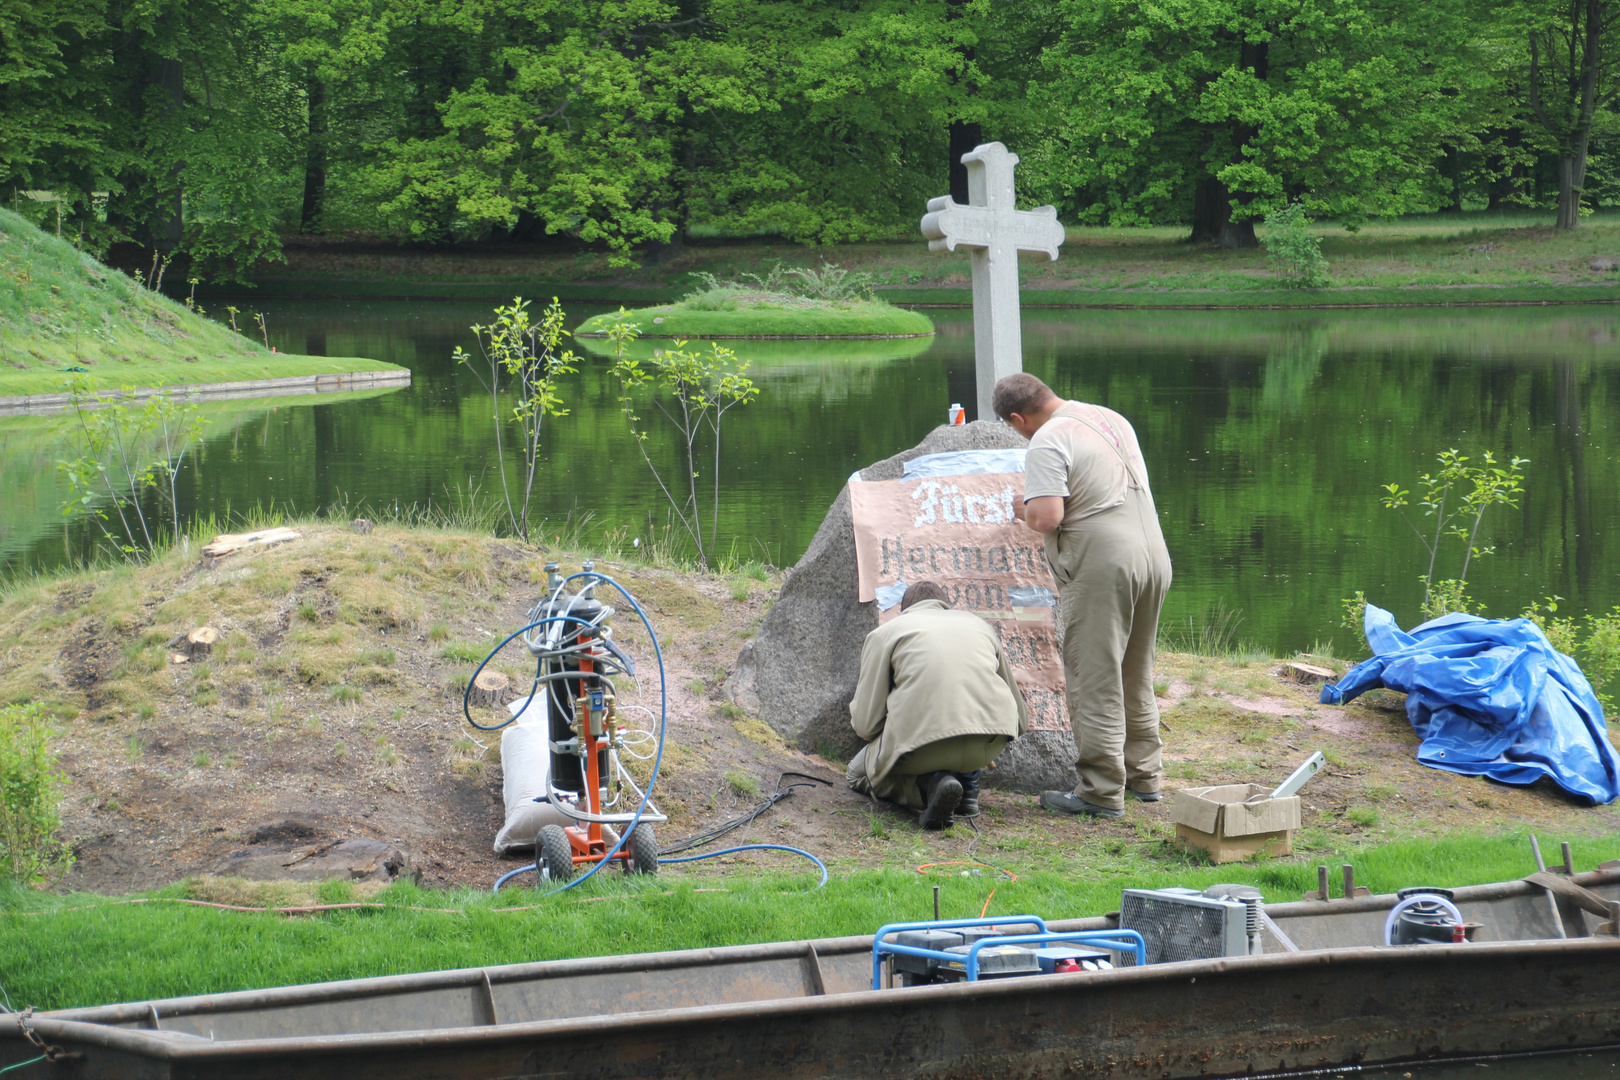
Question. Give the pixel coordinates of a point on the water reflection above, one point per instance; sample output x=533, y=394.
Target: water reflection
x=1267, y=433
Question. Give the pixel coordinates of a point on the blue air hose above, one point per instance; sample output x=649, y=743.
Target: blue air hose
x=466, y=694
x=504, y=878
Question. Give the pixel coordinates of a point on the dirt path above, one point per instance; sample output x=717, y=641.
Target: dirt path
x=331, y=710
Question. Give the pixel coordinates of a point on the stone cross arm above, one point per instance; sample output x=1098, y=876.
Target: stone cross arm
x=949, y=225
x=991, y=220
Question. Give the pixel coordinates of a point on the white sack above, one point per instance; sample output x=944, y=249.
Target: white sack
x=526, y=768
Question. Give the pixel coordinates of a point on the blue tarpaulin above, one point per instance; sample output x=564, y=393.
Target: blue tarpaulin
x=1490, y=697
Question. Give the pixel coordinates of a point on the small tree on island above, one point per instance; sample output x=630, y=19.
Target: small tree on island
x=522, y=355
x=694, y=391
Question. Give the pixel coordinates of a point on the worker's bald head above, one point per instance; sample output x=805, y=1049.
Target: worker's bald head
x=1022, y=393
x=923, y=590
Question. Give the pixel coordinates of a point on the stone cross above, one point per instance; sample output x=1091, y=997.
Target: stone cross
x=994, y=231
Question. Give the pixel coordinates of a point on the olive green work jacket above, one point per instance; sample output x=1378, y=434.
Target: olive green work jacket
x=928, y=674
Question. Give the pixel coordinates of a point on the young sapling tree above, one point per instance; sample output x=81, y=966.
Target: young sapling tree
x=694, y=391
x=1295, y=250
x=1456, y=496
x=522, y=356
x=30, y=798
x=123, y=449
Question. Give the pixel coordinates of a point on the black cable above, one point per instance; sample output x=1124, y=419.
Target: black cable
x=711, y=835
x=1419, y=1063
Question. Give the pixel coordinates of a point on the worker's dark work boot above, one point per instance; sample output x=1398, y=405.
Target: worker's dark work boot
x=941, y=791
x=1066, y=802
x=968, y=805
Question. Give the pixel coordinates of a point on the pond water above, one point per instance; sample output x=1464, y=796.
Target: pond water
x=1268, y=435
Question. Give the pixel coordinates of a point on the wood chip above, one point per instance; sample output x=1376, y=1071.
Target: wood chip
x=1308, y=673
x=229, y=543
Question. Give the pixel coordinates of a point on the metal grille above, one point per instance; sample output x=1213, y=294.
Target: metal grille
x=1177, y=928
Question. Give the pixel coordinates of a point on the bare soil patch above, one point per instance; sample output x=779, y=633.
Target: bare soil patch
x=330, y=709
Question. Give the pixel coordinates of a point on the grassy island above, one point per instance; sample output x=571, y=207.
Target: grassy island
x=783, y=303
x=62, y=313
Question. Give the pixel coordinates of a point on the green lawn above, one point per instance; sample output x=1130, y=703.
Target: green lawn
x=1422, y=258
x=63, y=951
x=60, y=309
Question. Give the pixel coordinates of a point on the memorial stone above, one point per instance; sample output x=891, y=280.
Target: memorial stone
x=798, y=673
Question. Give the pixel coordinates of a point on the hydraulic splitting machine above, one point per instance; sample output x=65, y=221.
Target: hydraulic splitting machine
x=571, y=639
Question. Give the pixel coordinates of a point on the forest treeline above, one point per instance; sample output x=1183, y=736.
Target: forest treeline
x=212, y=127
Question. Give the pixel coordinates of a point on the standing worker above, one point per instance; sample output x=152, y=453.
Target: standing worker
x=1086, y=491
x=936, y=702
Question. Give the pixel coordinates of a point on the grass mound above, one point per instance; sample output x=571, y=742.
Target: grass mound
x=795, y=302
x=62, y=312
x=771, y=315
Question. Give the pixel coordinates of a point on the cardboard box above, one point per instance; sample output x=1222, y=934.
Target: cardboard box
x=1224, y=823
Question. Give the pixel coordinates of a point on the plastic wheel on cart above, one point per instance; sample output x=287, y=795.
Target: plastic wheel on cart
x=556, y=854
x=643, y=847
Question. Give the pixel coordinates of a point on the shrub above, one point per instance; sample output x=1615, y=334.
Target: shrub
x=1295, y=250
x=830, y=283
x=30, y=798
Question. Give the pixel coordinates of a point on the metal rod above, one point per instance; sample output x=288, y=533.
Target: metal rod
x=1569, y=859
x=1298, y=778
x=936, y=903
x=1277, y=932
x=1552, y=901
x=1349, y=882
x=1322, y=883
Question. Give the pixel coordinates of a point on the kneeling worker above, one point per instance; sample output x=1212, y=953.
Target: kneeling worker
x=936, y=702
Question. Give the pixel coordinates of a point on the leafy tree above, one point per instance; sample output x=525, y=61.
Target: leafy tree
x=1570, y=85
x=622, y=124
x=1231, y=108
x=171, y=110
x=42, y=107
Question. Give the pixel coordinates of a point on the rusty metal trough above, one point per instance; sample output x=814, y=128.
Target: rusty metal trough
x=1543, y=973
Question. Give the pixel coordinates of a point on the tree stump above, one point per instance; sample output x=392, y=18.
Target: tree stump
x=199, y=643
x=489, y=689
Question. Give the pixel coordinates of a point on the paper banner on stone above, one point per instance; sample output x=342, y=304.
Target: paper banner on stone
x=959, y=532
